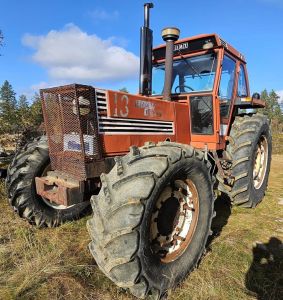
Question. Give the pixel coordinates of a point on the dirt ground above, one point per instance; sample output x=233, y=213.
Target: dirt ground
x=243, y=261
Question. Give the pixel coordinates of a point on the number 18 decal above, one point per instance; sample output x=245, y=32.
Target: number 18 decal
x=123, y=103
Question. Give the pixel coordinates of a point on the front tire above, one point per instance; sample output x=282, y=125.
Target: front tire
x=250, y=149
x=29, y=162
x=122, y=228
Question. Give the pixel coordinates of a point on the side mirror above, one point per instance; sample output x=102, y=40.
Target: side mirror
x=256, y=96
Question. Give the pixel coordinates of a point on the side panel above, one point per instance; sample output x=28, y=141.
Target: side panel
x=123, y=105
x=125, y=120
x=183, y=128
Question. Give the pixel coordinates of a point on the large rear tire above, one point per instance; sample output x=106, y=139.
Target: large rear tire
x=250, y=148
x=152, y=217
x=29, y=162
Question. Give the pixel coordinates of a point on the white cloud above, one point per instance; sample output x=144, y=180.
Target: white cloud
x=71, y=54
x=40, y=85
x=280, y=94
x=102, y=15
x=34, y=88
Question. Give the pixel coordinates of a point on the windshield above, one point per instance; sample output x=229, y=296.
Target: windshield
x=193, y=74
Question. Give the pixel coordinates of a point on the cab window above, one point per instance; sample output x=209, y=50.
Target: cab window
x=192, y=74
x=242, y=83
x=226, y=86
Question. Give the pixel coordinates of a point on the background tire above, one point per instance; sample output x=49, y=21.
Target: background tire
x=122, y=214
x=247, y=133
x=28, y=163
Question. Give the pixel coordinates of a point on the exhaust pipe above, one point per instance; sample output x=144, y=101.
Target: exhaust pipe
x=146, y=54
x=169, y=35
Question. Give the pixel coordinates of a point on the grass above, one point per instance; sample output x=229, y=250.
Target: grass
x=277, y=142
x=56, y=264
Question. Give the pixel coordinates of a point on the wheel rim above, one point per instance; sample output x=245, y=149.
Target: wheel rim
x=260, y=162
x=45, y=200
x=174, y=220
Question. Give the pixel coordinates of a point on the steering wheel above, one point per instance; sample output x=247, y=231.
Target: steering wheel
x=183, y=86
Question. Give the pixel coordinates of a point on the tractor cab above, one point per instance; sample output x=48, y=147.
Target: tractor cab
x=211, y=76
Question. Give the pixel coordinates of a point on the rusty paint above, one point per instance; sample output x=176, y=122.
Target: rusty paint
x=58, y=191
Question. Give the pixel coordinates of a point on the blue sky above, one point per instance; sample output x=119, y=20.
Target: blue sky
x=97, y=42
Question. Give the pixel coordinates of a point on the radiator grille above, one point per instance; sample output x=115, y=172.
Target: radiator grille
x=71, y=126
x=101, y=102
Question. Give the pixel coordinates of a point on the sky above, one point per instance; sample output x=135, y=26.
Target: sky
x=54, y=42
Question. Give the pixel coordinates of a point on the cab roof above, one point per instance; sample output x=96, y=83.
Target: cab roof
x=195, y=44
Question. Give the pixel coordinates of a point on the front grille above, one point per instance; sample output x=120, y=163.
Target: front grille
x=71, y=126
x=101, y=102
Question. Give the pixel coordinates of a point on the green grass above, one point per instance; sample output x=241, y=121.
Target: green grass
x=56, y=264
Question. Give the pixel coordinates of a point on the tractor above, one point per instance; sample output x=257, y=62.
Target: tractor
x=149, y=165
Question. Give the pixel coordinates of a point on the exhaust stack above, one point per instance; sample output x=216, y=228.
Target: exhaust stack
x=146, y=54
x=169, y=35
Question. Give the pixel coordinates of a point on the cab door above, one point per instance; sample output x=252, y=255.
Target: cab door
x=204, y=110
x=226, y=90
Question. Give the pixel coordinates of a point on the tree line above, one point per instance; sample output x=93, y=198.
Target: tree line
x=17, y=114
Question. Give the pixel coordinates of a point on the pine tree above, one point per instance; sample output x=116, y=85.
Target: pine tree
x=274, y=104
x=264, y=95
x=8, y=106
x=23, y=112
x=23, y=102
x=36, y=111
x=272, y=108
x=124, y=90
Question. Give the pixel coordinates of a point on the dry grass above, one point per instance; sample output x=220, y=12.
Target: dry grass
x=56, y=264
x=9, y=141
x=277, y=142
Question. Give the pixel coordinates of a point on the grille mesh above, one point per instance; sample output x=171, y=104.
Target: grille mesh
x=71, y=126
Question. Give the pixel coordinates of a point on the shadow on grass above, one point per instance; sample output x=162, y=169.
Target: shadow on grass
x=222, y=207
x=264, y=278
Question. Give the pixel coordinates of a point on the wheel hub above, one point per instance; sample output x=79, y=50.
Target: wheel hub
x=168, y=216
x=174, y=220
x=260, y=162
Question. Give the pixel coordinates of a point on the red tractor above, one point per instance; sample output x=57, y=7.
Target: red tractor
x=150, y=164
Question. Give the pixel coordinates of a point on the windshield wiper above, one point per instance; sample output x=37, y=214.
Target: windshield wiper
x=190, y=65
